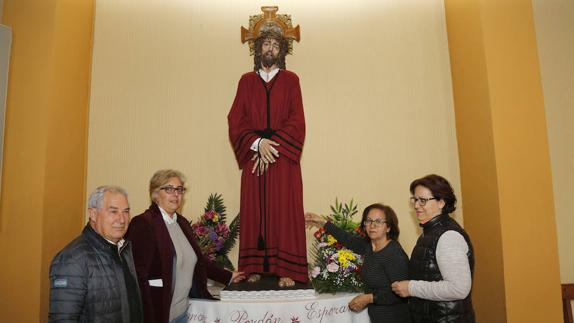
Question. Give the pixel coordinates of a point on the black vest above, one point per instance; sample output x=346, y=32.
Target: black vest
x=423, y=266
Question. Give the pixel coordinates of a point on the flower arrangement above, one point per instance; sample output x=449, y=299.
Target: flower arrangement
x=336, y=268
x=212, y=233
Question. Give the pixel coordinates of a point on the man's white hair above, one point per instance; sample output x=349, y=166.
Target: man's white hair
x=97, y=197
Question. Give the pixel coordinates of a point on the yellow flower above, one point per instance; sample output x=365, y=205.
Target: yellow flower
x=215, y=218
x=348, y=254
x=344, y=257
x=331, y=240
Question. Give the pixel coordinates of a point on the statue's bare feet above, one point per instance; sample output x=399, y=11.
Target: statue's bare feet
x=285, y=282
x=253, y=278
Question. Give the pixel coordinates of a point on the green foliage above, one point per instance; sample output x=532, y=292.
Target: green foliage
x=231, y=240
x=225, y=262
x=215, y=203
x=342, y=215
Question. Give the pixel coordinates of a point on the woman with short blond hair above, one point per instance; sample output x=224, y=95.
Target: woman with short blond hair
x=168, y=260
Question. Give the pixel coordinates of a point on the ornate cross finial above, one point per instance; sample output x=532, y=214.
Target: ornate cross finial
x=270, y=20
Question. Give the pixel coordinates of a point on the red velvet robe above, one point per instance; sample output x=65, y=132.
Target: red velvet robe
x=272, y=230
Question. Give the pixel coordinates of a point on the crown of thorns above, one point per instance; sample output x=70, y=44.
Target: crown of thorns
x=270, y=21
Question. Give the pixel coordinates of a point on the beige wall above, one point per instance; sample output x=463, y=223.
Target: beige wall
x=376, y=88
x=555, y=32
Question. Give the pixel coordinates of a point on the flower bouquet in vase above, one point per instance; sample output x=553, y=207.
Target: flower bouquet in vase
x=336, y=268
x=212, y=233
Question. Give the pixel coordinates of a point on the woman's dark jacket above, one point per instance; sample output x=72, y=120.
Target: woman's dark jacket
x=154, y=257
x=423, y=266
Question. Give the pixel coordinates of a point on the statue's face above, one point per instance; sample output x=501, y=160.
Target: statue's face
x=270, y=52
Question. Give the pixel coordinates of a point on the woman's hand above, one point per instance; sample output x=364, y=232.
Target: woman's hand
x=314, y=220
x=237, y=276
x=401, y=288
x=359, y=303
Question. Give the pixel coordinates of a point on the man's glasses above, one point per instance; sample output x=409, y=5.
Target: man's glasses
x=377, y=222
x=422, y=201
x=171, y=190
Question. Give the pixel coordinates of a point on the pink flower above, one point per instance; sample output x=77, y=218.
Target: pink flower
x=222, y=229
x=332, y=267
x=315, y=272
x=200, y=230
x=209, y=214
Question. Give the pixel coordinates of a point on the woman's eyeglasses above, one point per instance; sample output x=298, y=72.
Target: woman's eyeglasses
x=422, y=201
x=377, y=222
x=171, y=190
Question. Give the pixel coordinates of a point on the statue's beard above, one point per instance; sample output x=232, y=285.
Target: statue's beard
x=268, y=60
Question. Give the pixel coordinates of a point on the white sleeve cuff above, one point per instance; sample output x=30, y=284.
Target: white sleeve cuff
x=255, y=144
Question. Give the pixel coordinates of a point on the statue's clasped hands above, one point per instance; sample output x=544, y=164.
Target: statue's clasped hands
x=267, y=155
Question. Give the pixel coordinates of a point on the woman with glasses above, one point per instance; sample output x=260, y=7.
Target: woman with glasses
x=385, y=262
x=442, y=261
x=168, y=260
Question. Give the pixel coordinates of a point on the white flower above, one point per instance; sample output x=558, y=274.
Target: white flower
x=332, y=267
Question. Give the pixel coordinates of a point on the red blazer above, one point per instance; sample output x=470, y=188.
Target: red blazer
x=154, y=257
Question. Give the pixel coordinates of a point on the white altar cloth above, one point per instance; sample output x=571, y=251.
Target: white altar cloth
x=325, y=308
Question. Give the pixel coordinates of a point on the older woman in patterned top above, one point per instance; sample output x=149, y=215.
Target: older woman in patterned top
x=385, y=262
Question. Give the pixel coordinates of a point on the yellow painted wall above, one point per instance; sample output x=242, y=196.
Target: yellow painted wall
x=376, y=89
x=477, y=159
x=505, y=165
x=43, y=183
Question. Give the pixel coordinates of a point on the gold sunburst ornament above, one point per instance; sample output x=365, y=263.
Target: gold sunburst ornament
x=270, y=20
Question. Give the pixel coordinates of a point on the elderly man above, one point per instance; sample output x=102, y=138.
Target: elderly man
x=267, y=130
x=93, y=278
